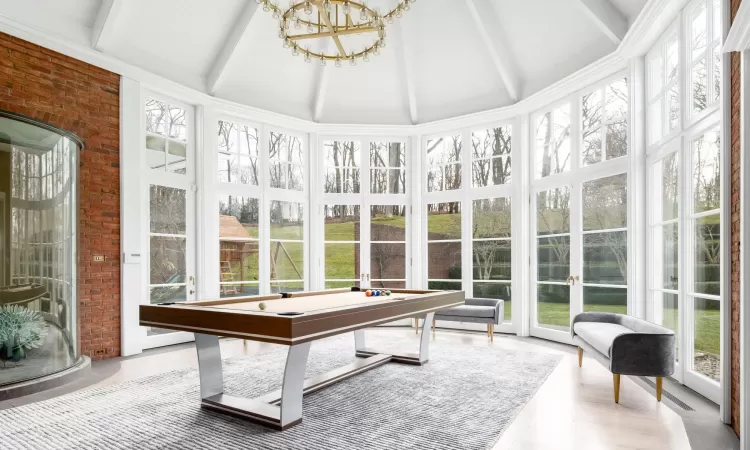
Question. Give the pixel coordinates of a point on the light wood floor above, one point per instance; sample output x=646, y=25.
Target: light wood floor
x=574, y=409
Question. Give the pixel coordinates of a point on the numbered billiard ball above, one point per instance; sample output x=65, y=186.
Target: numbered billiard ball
x=387, y=292
x=262, y=306
x=377, y=293
x=368, y=293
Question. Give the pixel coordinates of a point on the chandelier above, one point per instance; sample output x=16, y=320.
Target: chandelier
x=356, y=29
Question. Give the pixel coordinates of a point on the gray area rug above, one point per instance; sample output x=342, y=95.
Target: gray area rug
x=464, y=398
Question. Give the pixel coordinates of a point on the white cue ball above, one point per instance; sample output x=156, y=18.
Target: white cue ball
x=262, y=306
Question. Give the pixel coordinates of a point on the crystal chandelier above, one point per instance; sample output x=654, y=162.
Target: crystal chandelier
x=340, y=20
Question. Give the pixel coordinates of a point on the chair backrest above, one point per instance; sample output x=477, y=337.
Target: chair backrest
x=641, y=326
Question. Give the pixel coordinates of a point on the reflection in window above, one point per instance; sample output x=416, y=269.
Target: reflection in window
x=491, y=250
x=662, y=66
x=166, y=136
x=444, y=245
x=342, y=167
x=604, y=123
x=444, y=163
x=238, y=246
x=491, y=153
x=287, y=259
x=287, y=159
x=238, y=153
x=552, y=139
x=387, y=168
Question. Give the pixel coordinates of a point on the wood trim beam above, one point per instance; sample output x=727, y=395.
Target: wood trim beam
x=606, y=17
x=485, y=18
x=221, y=61
x=406, y=71
x=103, y=28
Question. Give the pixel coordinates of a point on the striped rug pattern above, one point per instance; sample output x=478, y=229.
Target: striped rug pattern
x=464, y=398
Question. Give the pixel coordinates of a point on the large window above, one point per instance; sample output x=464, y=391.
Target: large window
x=342, y=167
x=387, y=168
x=604, y=123
x=685, y=197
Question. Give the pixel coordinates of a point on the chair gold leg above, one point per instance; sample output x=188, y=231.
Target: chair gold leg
x=616, y=377
x=433, y=325
x=658, y=388
x=580, y=357
x=492, y=332
x=416, y=325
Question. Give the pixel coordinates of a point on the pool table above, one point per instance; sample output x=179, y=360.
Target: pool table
x=294, y=319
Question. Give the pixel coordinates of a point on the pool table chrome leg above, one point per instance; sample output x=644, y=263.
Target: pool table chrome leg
x=413, y=358
x=209, y=364
x=293, y=385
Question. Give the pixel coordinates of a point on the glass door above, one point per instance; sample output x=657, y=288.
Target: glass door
x=364, y=215
x=170, y=212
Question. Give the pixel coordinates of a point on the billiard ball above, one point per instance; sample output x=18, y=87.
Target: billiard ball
x=387, y=292
x=261, y=306
x=377, y=293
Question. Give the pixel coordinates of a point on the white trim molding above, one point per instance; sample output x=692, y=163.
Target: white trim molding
x=606, y=17
x=104, y=24
x=738, y=39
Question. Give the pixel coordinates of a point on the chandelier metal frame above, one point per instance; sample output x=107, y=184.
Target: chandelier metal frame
x=328, y=24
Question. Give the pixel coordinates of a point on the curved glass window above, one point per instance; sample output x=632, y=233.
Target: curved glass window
x=38, y=262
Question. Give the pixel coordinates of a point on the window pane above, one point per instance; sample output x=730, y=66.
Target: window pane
x=500, y=291
x=553, y=258
x=553, y=211
x=342, y=261
x=342, y=160
x=341, y=222
x=444, y=150
x=491, y=218
x=387, y=154
x=656, y=73
x=444, y=221
x=673, y=56
x=492, y=260
x=605, y=203
x=617, y=119
x=444, y=285
x=167, y=260
x=388, y=284
x=452, y=177
x=176, y=120
x=706, y=172
x=717, y=72
x=708, y=255
x=707, y=338
x=167, y=210
x=553, y=306
x=388, y=261
x=670, y=251
x=388, y=223
x=655, y=119
x=698, y=30
x=155, y=152
x=592, y=146
x=553, y=142
x=238, y=217
x=673, y=106
x=699, y=85
x=668, y=180
x=287, y=261
x=249, y=141
x=605, y=257
x=605, y=299
x=156, y=116
x=163, y=294
x=591, y=110
x=288, y=286
x=444, y=260
x=668, y=305
x=287, y=220
x=493, y=146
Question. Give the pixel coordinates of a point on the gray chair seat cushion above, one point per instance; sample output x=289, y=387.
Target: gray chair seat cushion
x=600, y=335
x=468, y=311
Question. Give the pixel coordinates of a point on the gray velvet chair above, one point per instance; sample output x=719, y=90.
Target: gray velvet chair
x=475, y=310
x=625, y=345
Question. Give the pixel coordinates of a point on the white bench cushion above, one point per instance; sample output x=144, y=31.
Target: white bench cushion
x=468, y=311
x=600, y=335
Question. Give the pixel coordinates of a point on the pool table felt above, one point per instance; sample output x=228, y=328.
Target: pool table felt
x=311, y=303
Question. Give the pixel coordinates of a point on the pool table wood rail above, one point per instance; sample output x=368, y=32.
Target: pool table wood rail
x=292, y=330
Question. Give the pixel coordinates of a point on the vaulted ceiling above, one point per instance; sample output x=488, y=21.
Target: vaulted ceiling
x=444, y=58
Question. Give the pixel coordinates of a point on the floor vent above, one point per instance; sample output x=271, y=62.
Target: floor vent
x=667, y=394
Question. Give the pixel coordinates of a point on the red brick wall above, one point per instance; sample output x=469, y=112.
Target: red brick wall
x=735, y=150
x=85, y=100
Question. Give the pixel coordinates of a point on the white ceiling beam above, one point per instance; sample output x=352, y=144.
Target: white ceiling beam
x=606, y=17
x=485, y=19
x=406, y=69
x=104, y=24
x=322, y=76
x=219, y=65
